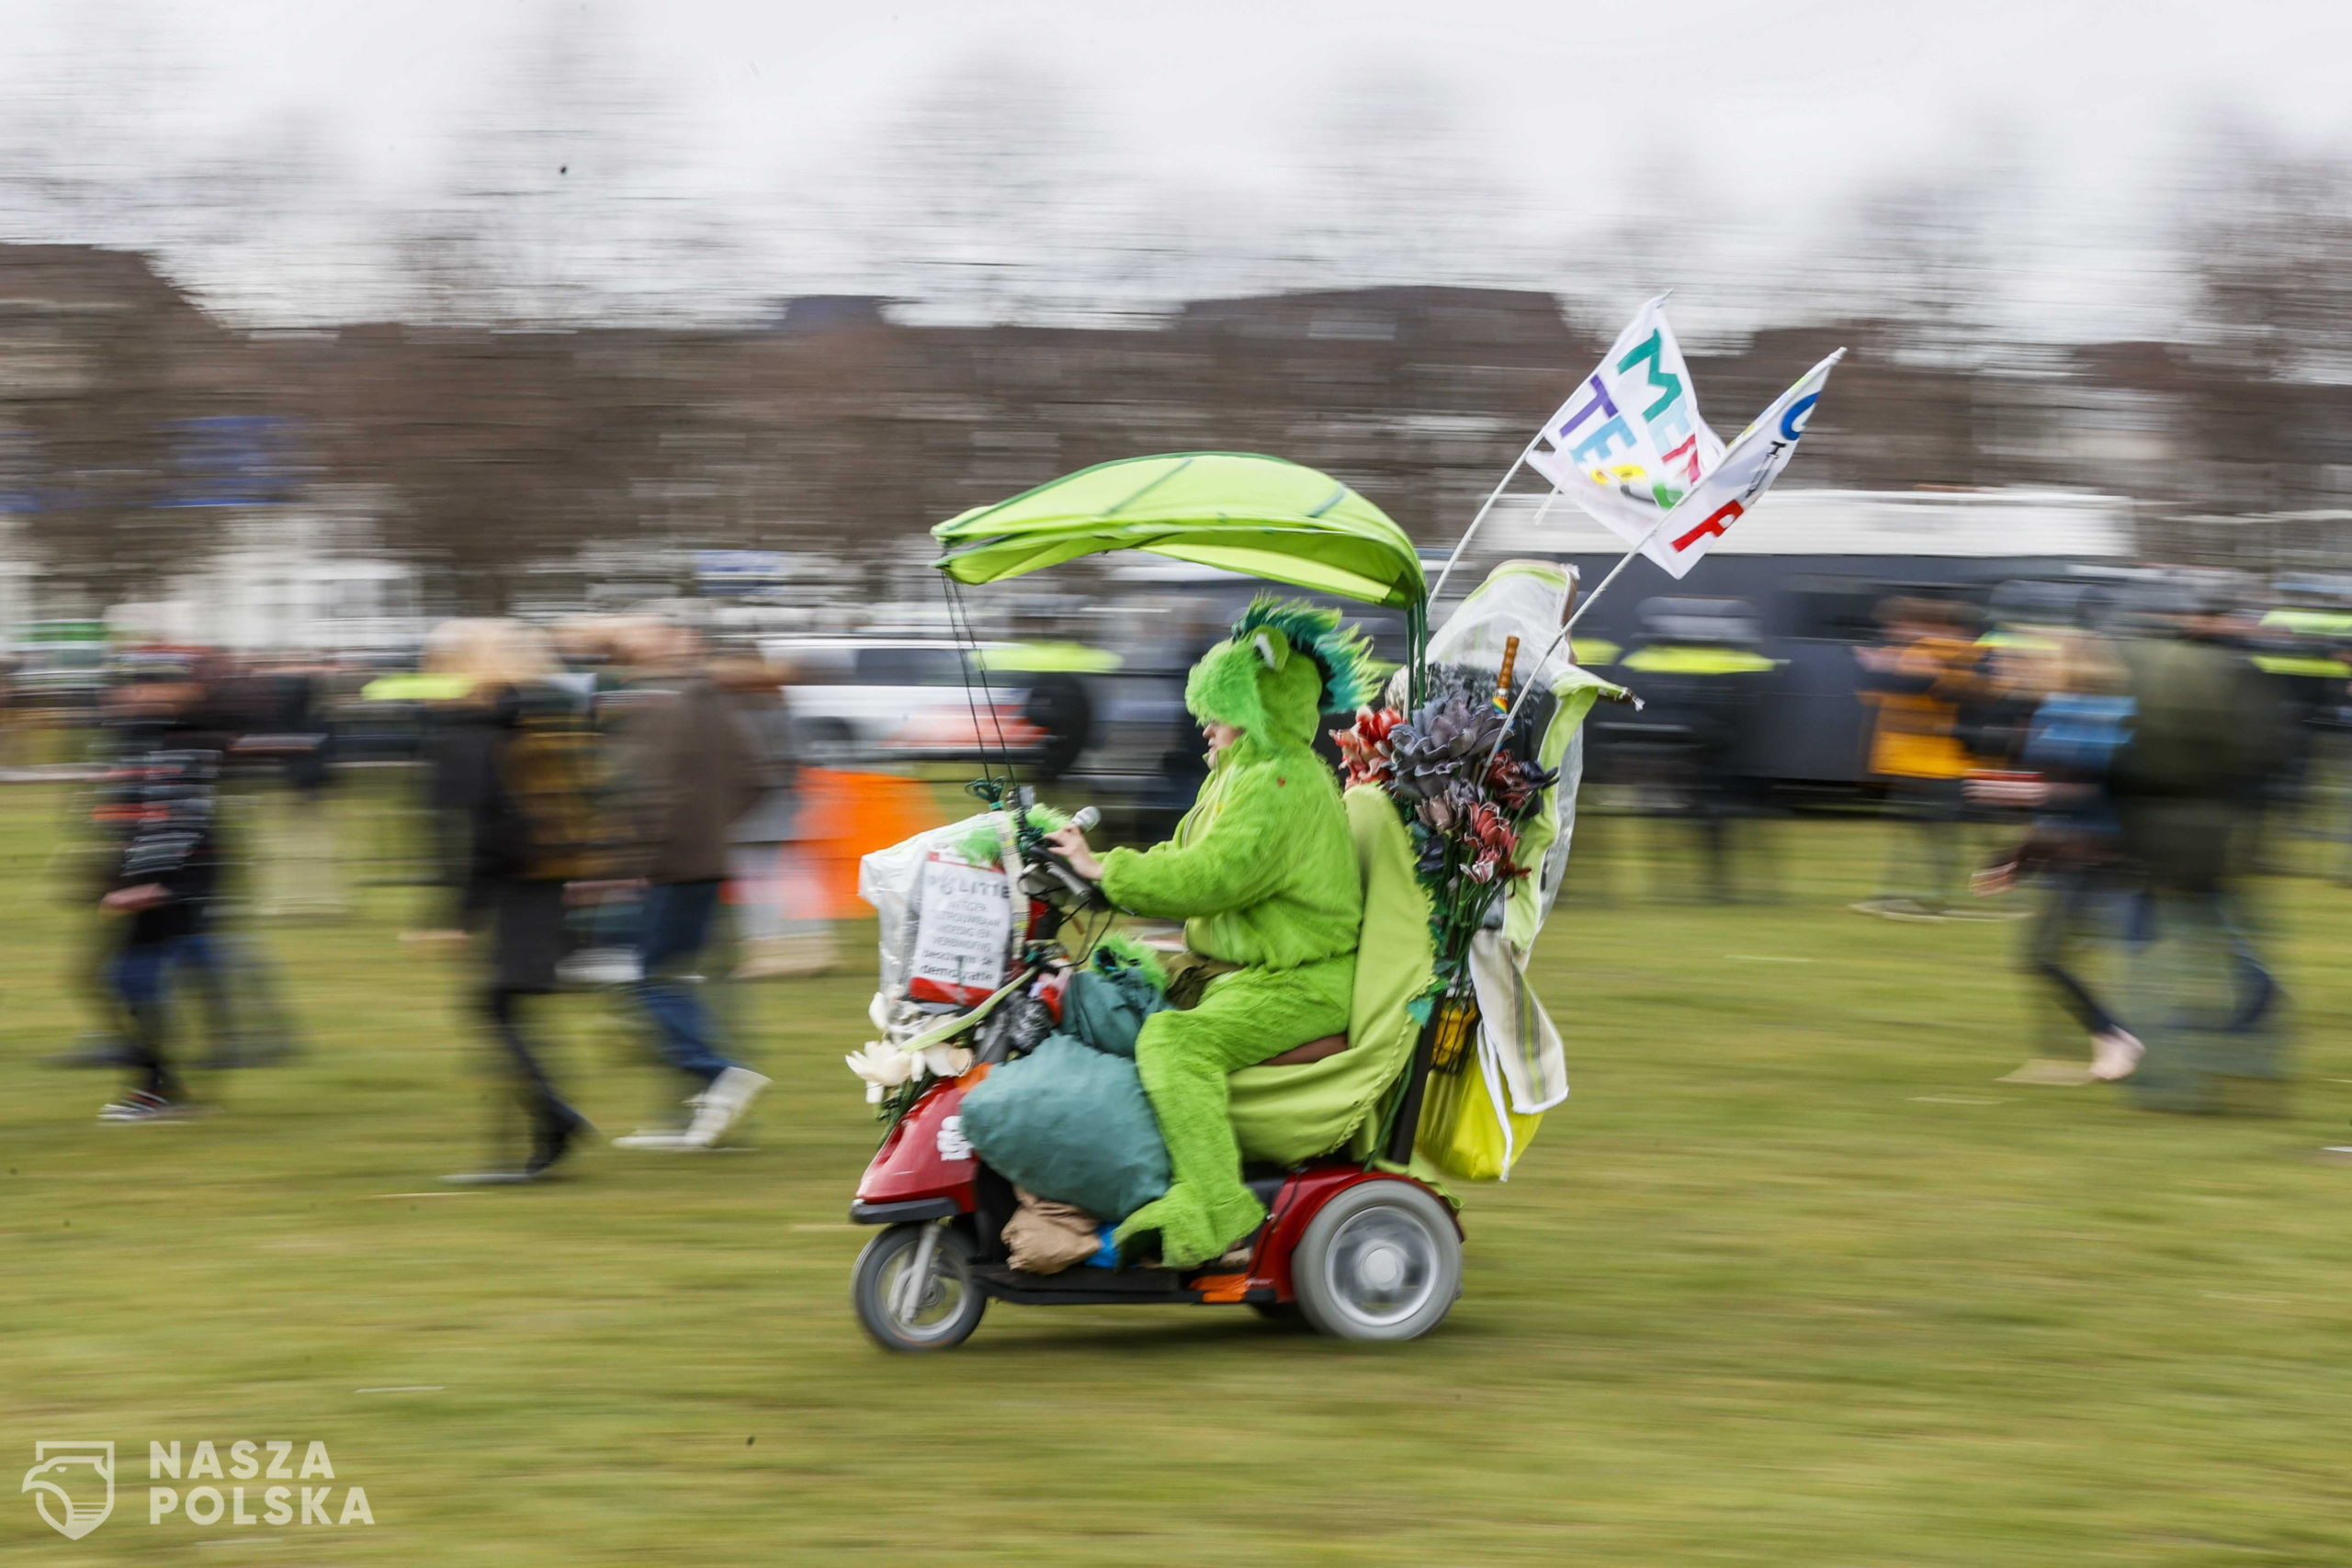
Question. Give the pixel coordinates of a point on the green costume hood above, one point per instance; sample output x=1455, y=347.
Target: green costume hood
x=1285, y=665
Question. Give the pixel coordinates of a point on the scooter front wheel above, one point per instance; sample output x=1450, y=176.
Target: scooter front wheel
x=913, y=1288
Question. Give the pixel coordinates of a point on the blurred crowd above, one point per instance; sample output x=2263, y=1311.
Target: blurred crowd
x=590, y=795
x=609, y=801
x=2104, y=765
x=2134, y=763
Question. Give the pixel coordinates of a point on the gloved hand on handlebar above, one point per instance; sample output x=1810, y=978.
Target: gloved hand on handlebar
x=1070, y=844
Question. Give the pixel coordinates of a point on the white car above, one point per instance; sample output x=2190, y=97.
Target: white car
x=864, y=698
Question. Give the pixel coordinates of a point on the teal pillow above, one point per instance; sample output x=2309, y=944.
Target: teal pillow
x=1070, y=1123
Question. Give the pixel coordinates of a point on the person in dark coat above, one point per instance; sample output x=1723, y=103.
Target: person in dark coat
x=782, y=925
x=2206, y=733
x=514, y=767
x=164, y=873
x=687, y=773
x=1704, y=677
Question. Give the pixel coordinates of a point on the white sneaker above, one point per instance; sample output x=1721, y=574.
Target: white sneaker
x=722, y=1105
x=785, y=957
x=595, y=966
x=2050, y=1074
x=657, y=1136
x=662, y=1137
x=2115, y=1055
x=141, y=1106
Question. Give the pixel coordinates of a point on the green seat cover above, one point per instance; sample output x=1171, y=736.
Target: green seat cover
x=1284, y=1115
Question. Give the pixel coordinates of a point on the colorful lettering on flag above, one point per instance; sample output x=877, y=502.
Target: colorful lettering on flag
x=1630, y=448
x=1629, y=443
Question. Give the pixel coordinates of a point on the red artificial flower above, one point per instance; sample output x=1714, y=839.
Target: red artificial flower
x=1493, y=842
x=1365, y=746
x=1505, y=784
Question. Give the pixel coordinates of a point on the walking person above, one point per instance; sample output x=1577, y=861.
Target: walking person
x=2074, y=848
x=687, y=773
x=1916, y=680
x=1704, y=677
x=295, y=732
x=162, y=877
x=2207, y=733
x=515, y=764
x=159, y=696
x=781, y=924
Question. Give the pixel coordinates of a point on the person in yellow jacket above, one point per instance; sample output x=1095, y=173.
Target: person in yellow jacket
x=1915, y=680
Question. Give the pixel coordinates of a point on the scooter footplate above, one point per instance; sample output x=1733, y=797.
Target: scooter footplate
x=1081, y=1287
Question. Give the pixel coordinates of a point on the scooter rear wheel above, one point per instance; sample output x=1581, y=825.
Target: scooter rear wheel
x=1381, y=1261
x=934, y=1309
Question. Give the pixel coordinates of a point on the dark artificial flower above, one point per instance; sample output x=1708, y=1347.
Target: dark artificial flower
x=1446, y=740
x=1516, y=783
x=1447, y=809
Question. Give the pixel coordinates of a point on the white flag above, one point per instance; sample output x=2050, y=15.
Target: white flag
x=1629, y=444
x=1731, y=488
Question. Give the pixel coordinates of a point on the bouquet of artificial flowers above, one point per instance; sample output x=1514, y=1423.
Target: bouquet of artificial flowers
x=1460, y=769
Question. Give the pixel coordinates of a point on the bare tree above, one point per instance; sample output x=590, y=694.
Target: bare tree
x=2269, y=246
x=995, y=197
x=1399, y=190
x=569, y=199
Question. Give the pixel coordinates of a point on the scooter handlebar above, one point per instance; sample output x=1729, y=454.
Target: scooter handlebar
x=1084, y=818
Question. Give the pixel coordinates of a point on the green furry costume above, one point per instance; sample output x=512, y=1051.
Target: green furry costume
x=1263, y=874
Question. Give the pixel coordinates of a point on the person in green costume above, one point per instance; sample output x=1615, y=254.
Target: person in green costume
x=1263, y=874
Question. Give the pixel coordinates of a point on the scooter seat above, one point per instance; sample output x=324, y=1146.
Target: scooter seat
x=1313, y=1051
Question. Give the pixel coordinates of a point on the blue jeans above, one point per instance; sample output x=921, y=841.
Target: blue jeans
x=141, y=974
x=142, y=970
x=676, y=926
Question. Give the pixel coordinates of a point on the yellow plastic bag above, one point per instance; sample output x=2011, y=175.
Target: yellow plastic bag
x=1468, y=1130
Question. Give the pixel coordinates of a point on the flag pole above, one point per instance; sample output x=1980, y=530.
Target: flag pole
x=1566, y=627
x=1492, y=496
x=1525, y=452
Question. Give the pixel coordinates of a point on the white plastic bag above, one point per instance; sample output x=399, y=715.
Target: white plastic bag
x=930, y=975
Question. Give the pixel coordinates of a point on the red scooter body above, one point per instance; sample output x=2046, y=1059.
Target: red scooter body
x=925, y=1166
x=926, y=1169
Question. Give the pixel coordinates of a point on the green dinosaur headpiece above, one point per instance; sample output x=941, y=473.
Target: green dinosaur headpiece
x=1285, y=664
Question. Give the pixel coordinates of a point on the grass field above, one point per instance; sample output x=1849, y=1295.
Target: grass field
x=1790, y=1281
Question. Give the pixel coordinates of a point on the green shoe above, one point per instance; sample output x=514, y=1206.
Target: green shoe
x=1192, y=1232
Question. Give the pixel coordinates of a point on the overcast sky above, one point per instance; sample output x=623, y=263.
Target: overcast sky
x=735, y=148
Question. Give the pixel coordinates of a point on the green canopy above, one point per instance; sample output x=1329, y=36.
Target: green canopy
x=1259, y=516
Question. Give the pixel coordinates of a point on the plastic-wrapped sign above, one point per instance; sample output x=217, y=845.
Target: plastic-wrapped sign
x=962, y=931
